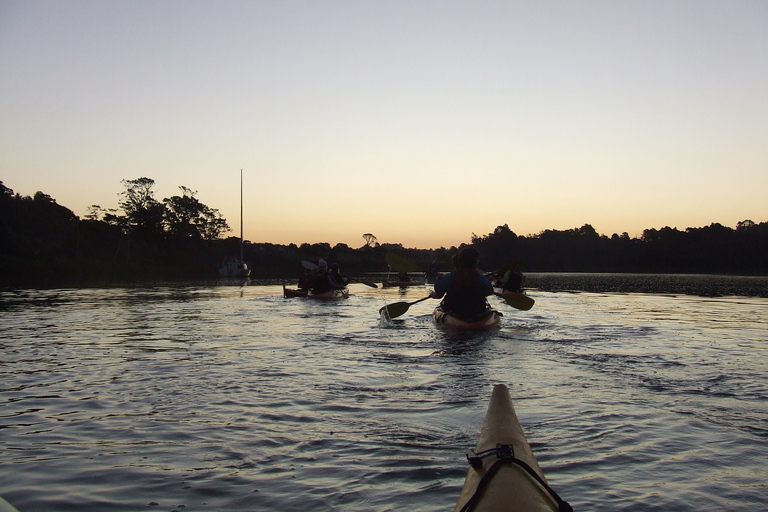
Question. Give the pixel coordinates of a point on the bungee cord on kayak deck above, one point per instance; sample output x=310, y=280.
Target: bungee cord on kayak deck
x=506, y=455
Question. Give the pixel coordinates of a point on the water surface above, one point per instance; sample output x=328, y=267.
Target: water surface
x=213, y=397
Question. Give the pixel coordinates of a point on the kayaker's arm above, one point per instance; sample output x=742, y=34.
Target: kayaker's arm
x=443, y=285
x=486, y=284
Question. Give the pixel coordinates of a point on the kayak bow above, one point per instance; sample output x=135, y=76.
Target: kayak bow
x=505, y=475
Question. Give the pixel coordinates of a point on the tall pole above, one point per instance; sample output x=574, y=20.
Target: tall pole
x=241, y=214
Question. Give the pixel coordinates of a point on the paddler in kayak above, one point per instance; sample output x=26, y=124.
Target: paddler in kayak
x=336, y=279
x=307, y=280
x=512, y=281
x=465, y=289
x=321, y=284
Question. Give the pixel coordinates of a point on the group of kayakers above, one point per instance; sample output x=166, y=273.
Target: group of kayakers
x=463, y=291
x=322, y=279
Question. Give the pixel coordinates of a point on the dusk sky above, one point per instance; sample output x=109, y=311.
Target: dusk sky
x=421, y=122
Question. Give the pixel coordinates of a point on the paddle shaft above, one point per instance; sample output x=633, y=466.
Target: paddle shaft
x=399, y=308
x=420, y=300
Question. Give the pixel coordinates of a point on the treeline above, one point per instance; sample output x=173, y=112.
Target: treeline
x=43, y=243
x=713, y=249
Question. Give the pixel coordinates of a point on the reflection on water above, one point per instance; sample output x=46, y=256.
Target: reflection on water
x=211, y=397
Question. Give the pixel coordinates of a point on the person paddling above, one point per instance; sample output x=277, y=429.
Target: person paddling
x=321, y=283
x=512, y=281
x=335, y=278
x=307, y=280
x=465, y=289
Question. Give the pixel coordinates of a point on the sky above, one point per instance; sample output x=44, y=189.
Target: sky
x=418, y=121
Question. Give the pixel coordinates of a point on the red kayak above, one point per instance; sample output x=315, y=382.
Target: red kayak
x=340, y=293
x=294, y=292
x=401, y=284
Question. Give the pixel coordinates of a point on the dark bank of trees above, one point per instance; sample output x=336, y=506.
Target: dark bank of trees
x=43, y=243
x=713, y=249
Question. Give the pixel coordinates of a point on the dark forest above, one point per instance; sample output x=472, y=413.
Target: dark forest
x=44, y=244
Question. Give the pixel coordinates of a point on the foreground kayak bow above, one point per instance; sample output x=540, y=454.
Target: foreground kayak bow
x=505, y=475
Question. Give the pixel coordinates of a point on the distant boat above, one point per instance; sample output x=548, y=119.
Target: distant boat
x=233, y=267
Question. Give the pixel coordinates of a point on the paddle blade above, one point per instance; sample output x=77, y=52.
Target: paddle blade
x=517, y=300
x=396, y=309
x=401, y=263
x=367, y=283
x=308, y=264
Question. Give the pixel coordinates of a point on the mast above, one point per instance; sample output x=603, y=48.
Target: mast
x=241, y=214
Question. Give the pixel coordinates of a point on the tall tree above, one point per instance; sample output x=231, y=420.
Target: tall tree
x=370, y=240
x=186, y=217
x=144, y=214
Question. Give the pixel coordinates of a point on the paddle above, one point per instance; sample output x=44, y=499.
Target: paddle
x=399, y=308
x=312, y=266
x=363, y=281
x=517, y=300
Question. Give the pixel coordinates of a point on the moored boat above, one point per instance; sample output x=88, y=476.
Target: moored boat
x=233, y=267
x=489, y=320
x=236, y=267
x=505, y=475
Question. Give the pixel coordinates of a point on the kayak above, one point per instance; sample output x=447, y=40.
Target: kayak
x=6, y=507
x=515, y=299
x=401, y=284
x=505, y=475
x=293, y=292
x=341, y=293
x=489, y=320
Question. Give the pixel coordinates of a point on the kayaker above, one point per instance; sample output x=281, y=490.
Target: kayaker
x=306, y=281
x=335, y=278
x=431, y=273
x=465, y=289
x=321, y=283
x=512, y=280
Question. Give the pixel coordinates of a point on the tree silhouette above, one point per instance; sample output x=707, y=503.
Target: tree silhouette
x=370, y=240
x=42, y=242
x=186, y=217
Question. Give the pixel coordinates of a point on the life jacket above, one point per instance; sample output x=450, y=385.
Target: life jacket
x=321, y=284
x=306, y=281
x=466, y=296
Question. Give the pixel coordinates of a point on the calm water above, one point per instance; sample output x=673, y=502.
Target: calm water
x=211, y=397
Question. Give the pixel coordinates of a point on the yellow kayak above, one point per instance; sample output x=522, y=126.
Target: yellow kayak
x=6, y=507
x=505, y=475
